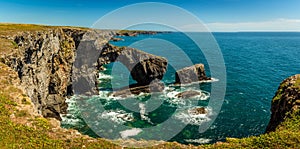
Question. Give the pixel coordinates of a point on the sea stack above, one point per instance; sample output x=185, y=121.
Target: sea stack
x=191, y=74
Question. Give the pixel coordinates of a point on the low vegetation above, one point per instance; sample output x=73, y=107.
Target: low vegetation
x=19, y=128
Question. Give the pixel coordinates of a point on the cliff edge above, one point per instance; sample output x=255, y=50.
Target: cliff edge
x=285, y=102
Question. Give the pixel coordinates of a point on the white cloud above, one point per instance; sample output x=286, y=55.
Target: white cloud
x=273, y=25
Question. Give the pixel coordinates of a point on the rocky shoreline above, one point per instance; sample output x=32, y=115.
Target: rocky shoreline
x=138, y=32
x=54, y=64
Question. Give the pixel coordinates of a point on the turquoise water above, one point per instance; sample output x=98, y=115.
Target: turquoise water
x=255, y=65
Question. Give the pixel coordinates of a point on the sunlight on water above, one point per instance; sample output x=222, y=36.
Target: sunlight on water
x=255, y=64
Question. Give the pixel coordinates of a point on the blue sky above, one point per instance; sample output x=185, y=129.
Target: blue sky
x=218, y=15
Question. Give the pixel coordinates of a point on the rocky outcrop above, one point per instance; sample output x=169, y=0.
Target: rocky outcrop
x=197, y=111
x=143, y=67
x=136, y=32
x=188, y=94
x=285, y=102
x=85, y=68
x=44, y=63
x=136, y=89
x=191, y=74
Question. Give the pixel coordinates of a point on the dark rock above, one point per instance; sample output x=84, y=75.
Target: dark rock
x=191, y=74
x=85, y=70
x=116, y=39
x=197, y=111
x=188, y=94
x=285, y=102
x=137, y=32
x=143, y=67
x=136, y=89
x=44, y=63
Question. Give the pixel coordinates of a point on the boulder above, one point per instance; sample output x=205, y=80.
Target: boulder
x=191, y=74
x=188, y=94
x=135, y=89
x=197, y=111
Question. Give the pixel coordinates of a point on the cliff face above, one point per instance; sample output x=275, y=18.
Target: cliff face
x=44, y=63
x=285, y=102
x=56, y=63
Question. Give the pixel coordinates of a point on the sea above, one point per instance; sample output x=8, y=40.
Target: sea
x=256, y=63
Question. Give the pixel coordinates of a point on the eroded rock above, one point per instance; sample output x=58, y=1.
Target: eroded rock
x=143, y=67
x=44, y=63
x=191, y=74
x=188, y=94
x=136, y=89
x=197, y=111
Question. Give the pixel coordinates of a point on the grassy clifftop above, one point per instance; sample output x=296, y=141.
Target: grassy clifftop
x=22, y=127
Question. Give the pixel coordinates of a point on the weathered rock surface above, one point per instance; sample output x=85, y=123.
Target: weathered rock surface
x=285, y=102
x=135, y=89
x=191, y=74
x=44, y=61
x=85, y=68
x=197, y=111
x=136, y=32
x=143, y=67
x=188, y=94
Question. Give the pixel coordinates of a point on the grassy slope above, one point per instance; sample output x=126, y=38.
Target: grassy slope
x=21, y=129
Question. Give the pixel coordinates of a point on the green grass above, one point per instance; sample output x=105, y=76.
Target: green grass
x=297, y=84
x=14, y=135
x=11, y=29
x=40, y=133
x=286, y=136
x=21, y=113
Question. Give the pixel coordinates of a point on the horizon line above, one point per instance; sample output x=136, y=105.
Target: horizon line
x=241, y=31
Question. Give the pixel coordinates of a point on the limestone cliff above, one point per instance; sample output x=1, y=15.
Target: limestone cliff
x=285, y=102
x=43, y=61
x=54, y=63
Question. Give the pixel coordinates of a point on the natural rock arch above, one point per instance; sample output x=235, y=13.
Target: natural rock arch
x=143, y=67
